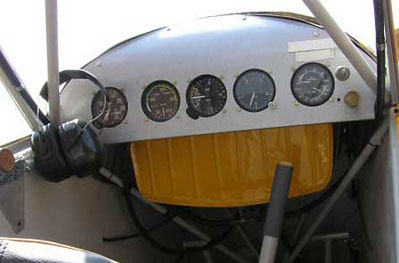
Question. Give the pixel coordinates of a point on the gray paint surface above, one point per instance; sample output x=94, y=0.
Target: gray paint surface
x=79, y=212
x=376, y=189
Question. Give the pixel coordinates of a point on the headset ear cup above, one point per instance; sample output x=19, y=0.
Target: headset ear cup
x=81, y=148
x=48, y=158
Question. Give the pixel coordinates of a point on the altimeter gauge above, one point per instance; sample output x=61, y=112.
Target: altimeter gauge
x=206, y=96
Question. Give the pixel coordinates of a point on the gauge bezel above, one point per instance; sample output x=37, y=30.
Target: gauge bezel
x=97, y=123
x=328, y=72
x=239, y=103
x=190, y=87
x=149, y=87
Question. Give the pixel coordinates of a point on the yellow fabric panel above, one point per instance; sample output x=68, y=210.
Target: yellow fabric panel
x=232, y=169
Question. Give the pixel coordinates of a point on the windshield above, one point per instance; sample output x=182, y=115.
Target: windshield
x=89, y=27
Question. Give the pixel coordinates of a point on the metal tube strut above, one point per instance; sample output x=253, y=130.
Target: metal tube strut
x=374, y=142
x=53, y=78
x=343, y=42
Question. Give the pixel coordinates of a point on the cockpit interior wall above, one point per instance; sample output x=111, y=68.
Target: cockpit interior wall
x=232, y=169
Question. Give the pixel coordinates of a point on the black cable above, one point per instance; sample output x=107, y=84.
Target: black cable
x=168, y=250
x=380, y=48
x=138, y=234
x=212, y=222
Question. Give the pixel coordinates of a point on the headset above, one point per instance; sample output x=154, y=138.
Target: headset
x=73, y=147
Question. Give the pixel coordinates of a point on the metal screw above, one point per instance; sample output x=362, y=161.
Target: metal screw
x=175, y=82
x=328, y=64
x=296, y=103
x=177, y=116
x=224, y=111
x=145, y=120
x=272, y=105
x=331, y=100
x=239, y=109
x=316, y=34
x=221, y=77
x=99, y=64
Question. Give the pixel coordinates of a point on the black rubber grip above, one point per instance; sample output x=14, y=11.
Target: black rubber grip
x=6, y=67
x=278, y=199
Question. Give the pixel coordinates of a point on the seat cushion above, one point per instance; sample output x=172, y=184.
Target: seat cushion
x=38, y=251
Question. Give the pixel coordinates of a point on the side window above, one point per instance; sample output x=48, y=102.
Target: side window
x=13, y=125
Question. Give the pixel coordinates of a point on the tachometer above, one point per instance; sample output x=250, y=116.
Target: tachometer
x=254, y=90
x=115, y=111
x=206, y=96
x=312, y=84
x=160, y=101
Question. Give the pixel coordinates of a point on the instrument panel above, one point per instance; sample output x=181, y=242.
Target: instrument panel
x=236, y=72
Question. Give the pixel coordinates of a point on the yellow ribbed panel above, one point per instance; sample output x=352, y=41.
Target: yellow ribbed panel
x=232, y=169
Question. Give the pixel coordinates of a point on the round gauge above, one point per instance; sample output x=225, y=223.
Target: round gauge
x=254, y=90
x=160, y=101
x=312, y=84
x=115, y=110
x=206, y=96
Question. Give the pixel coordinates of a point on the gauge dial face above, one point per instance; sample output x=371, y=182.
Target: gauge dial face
x=312, y=84
x=160, y=101
x=115, y=110
x=254, y=90
x=206, y=95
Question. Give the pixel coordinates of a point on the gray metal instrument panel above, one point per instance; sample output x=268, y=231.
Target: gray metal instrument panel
x=225, y=47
